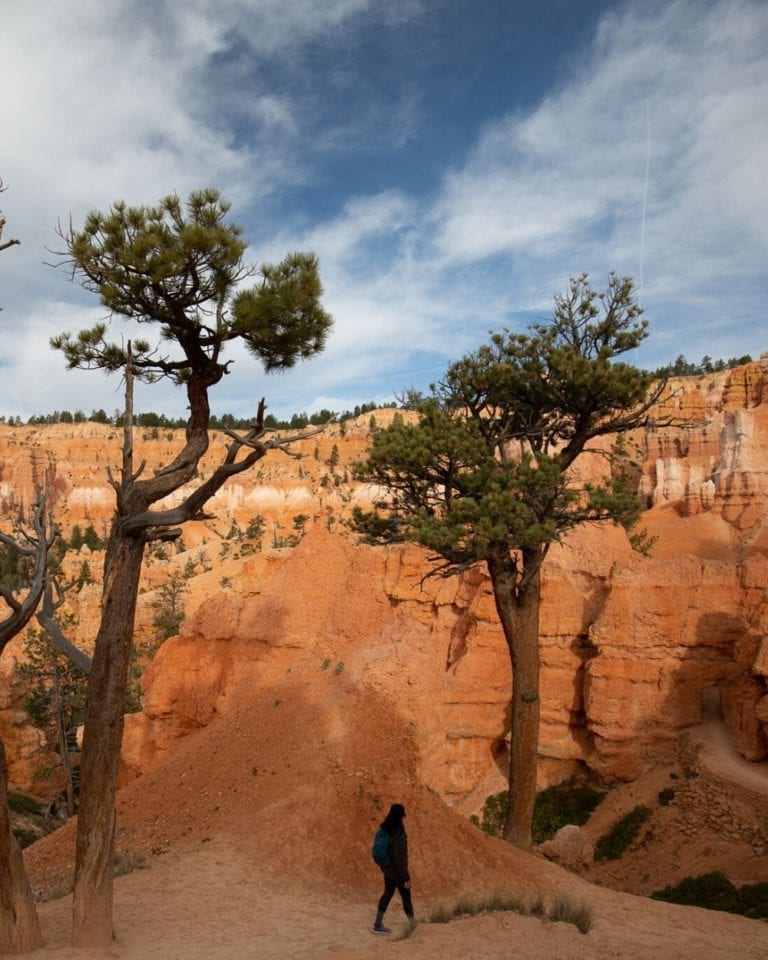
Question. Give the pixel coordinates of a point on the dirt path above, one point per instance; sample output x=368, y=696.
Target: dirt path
x=214, y=904
x=721, y=759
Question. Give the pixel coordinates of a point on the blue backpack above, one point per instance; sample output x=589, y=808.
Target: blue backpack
x=381, y=847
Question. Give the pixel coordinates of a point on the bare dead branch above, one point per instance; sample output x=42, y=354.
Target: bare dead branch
x=38, y=542
x=46, y=619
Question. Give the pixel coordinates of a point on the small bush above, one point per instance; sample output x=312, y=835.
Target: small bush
x=537, y=908
x=24, y=804
x=569, y=802
x=127, y=862
x=614, y=843
x=441, y=914
x=25, y=837
x=564, y=910
x=666, y=796
x=714, y=891
x=494, y=814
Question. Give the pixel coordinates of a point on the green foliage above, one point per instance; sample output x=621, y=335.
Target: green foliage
x=621, y=835
x=569, y=802
x=300, y=523
x=714, y=891
x=666, y=796
x=484, y=471
x=24, y=804
x=642, y=542
x=494, y=814
x=684, y=368
x=25, y=837
x=255, y=529
x=85, y=576
x=126, y=862
x=169, y=606
x=562, y=909
x=181, y=265
x=554, y=807
x=87, y=537
x=12, y=567
x=55, y=690
x=565, y=910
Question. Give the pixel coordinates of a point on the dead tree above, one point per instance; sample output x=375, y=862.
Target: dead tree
x=19, y=926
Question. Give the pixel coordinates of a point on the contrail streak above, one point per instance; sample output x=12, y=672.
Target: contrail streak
x=645, y=197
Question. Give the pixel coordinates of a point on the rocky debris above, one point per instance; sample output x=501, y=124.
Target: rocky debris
x=570, y=847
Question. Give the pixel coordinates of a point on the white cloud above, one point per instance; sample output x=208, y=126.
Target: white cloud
x=134, y=99
x=536, y=186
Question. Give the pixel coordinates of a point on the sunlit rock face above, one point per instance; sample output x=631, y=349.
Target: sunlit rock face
x=631, y=646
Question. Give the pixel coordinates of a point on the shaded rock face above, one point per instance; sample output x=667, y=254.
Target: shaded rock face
x=631, y=646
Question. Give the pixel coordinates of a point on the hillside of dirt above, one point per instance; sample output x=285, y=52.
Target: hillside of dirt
x=255, y=831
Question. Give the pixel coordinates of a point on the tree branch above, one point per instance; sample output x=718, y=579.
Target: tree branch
x=46, y=619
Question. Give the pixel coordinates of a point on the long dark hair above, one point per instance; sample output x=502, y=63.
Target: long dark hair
x=393, y=822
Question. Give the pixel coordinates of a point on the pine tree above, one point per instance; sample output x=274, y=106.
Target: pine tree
x=178, y=269
x=485, y=475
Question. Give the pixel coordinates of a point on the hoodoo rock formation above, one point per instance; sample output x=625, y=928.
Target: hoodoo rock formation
x=632, y=645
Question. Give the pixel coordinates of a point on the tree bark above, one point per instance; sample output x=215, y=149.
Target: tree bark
x=100, y=762
x=518, y=607
x=19, y=926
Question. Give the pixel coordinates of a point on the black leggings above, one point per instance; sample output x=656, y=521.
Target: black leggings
x=389, y=891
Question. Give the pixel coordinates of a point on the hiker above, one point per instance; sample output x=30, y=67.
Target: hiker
x=392, y=858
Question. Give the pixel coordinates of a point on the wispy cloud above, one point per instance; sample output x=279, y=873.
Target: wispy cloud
x=133, y=99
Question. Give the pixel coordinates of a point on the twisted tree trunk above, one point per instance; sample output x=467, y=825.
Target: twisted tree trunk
x=100, y=762
x=19, y=926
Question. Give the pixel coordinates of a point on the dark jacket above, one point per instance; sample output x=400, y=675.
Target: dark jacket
x=397, y=869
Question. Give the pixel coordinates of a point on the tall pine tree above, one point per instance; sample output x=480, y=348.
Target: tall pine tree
x=485, y=475
x=176, y=269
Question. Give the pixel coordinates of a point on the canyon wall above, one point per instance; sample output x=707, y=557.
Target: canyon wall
x=630, y=644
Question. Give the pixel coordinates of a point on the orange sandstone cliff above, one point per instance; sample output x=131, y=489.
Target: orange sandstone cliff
x=630, y=644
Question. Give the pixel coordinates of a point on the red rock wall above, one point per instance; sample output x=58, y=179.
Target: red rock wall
x=629, y=645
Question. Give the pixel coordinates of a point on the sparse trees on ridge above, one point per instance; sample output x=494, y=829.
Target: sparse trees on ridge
x=485, y=475
x=176, y=267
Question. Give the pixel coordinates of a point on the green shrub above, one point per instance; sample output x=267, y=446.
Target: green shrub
x=569, y=802
x=494, y=814
x=25, y=837
x=714, y=891
x=24, y=804
x=537, y=908
x=565, y=910
x=126, y=862
x=666, y=796
x=561, y=910
x=613, y=844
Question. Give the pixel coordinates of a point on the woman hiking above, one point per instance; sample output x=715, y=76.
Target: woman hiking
x=395, y=869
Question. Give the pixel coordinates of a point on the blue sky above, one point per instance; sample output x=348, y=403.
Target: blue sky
x=451, y=163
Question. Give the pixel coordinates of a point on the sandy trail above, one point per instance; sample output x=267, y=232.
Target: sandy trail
x=720, y=757
x=216, y=904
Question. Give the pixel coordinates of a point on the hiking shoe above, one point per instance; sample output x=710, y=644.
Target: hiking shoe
x=380, y=928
